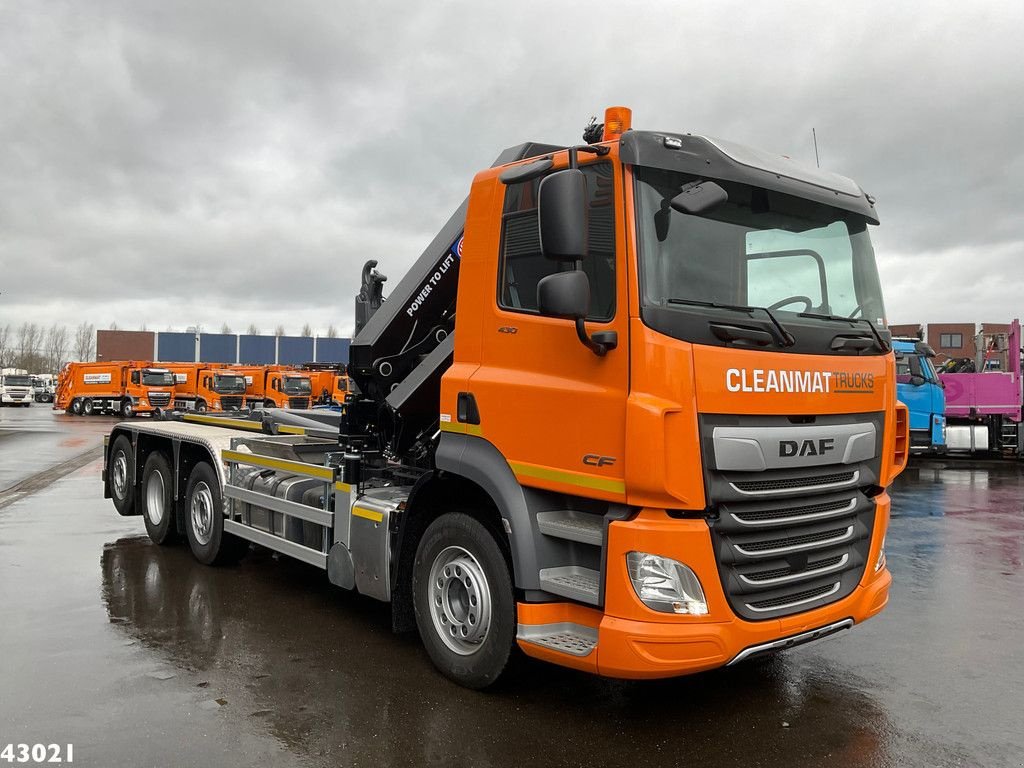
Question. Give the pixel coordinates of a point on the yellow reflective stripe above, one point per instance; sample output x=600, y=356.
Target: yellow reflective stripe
x=462, y=429
x=287, y=429
x=323, y=473
x=569, y=478
x=367, y=514
x=343, y=487
x=236, y=423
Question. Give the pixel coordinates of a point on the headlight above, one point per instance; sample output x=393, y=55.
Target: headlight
x=143, y=402
x=880, y=562
x=666, y=585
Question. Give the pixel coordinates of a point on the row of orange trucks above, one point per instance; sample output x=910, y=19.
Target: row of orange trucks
x=131, y=387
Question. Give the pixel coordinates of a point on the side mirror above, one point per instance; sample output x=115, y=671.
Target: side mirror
x=565, y=295
x=699, y=197
x=562, y=204
x=916, y=380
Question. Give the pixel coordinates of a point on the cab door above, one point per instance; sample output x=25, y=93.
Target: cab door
x=552, y=407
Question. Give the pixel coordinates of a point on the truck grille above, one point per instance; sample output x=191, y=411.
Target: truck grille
x=159, y=399
x=789, y=540
x=298, y=402
x=231, y=403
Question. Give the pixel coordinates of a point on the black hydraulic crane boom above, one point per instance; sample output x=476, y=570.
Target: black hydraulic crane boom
x=403, y=342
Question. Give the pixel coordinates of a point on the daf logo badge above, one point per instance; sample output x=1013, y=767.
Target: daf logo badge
x=789, y=448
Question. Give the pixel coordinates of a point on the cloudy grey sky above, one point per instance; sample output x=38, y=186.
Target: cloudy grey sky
x=209, y=162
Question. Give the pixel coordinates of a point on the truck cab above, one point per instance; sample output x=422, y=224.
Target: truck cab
x=918, y=387
x=16, y=389
x=203, y=387
x=287, y=389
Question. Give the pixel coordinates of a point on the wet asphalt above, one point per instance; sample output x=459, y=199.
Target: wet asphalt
x=139, y=656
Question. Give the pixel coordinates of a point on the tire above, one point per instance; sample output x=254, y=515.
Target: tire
x=158, y=499
x=204, y=520
x=76, y=407
x=201, y=406
x=269, y=404
x=122, y=458
x=87, y=407
x=127, y=409
x=465, y=607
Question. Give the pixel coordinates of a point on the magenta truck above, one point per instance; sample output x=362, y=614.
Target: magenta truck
x=983, y=410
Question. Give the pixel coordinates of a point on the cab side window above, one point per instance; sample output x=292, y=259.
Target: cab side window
x=522, y=265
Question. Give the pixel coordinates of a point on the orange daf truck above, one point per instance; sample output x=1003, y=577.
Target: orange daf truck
x=203, y=387
x=127, y=387
x=329, y=382
x=633, y=411
x=276, y=386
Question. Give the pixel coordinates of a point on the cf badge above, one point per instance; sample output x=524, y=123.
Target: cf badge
x=593, y=460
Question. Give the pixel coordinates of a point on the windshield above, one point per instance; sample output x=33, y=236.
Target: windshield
x=230, y=384
x=14, y=380
x=760, y=248
x=157, y=378
x=297, y=385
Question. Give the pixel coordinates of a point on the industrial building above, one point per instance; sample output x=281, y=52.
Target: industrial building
x=240, y=349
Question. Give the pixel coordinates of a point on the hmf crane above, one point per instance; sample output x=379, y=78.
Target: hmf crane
x=633, y=411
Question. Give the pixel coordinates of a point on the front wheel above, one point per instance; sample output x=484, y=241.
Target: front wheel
x=127, y=411
x=201, y=407
x=158, y=499
x=204, y=522
x=465, y=608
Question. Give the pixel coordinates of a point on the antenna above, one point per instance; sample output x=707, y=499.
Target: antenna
x=814, y=136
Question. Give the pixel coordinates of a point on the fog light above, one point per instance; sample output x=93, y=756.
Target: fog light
x=880, y=562
x=666, y=585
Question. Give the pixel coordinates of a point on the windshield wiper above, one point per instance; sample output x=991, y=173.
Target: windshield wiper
x=855, y=321
x=785, y=338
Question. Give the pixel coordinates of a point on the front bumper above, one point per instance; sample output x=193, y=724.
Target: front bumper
x=634, y=641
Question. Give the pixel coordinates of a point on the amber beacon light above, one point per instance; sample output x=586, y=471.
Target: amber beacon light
x=616, y=122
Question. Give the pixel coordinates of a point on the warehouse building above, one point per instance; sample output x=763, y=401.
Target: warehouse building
x=240, y=349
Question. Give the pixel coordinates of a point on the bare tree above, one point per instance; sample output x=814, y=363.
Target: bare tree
x=279, y=331
x=143, y=327
x=6, y=350
x=29, y=338
x=225, y=329
x=85, y=342
x=113, y=326
x=307, y=331
x=56, y=348
x=332, y=332
x=253, y=330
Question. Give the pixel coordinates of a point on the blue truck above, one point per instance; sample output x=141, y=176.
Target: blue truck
x=918, y=387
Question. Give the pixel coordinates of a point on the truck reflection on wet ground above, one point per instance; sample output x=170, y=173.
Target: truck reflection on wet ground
x=321, y=669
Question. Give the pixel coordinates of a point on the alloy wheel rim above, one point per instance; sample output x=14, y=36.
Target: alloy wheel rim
x=155, y=498
x=201, y=513
x=460, y=600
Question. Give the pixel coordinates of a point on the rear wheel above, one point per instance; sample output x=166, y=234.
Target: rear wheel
x=204, y=523
x=121, y=461
x=87, y=407
x=158, y=500
x=76, y=407
x=465, y=609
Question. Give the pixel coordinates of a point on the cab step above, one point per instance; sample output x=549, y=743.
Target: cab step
x=564, y=637
x=572, y=525
x=572, y=581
